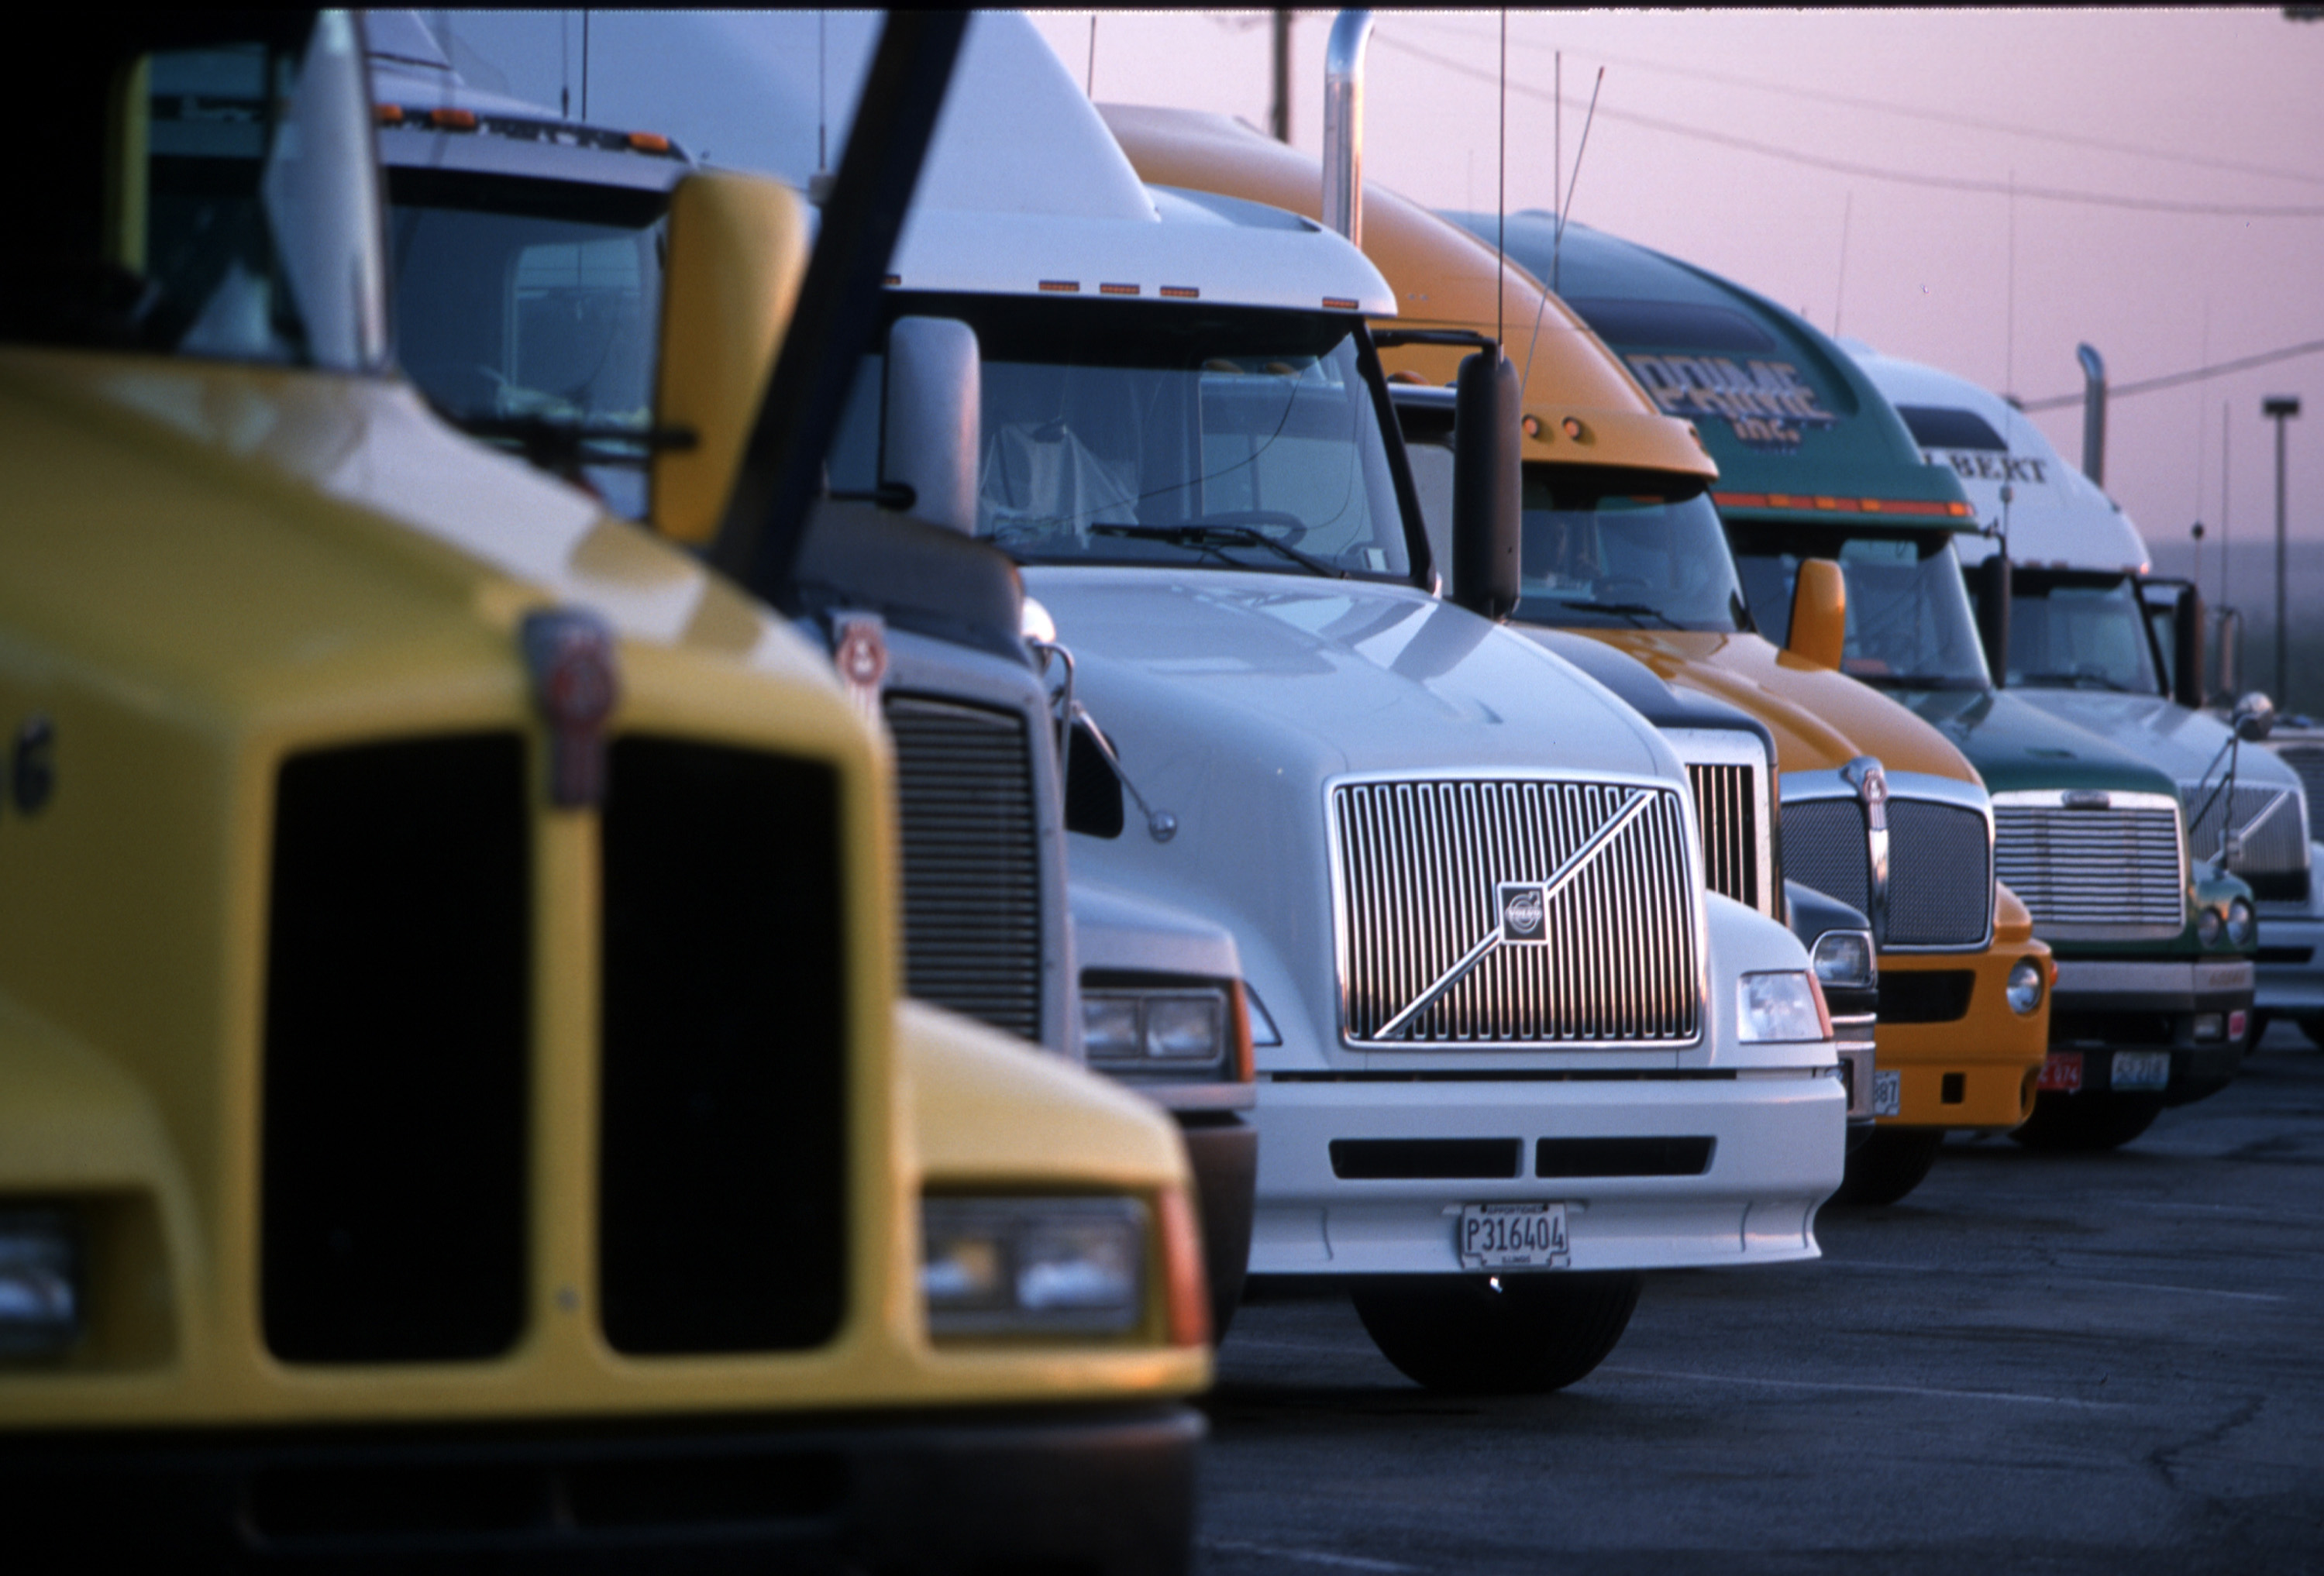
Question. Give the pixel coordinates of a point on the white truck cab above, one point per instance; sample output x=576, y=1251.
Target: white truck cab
x=1510, y=1053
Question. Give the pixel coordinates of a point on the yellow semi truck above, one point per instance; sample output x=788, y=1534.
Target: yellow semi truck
x=454, y=1095
x=1963, y=985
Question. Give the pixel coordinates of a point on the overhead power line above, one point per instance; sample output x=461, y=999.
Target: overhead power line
x=2173, y=380
x=1938, y=116
x=1874, y=172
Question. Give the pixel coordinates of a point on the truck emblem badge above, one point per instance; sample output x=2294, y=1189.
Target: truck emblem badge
x=1520, y=913
x=859, y=649
x=575, y=684
x=2087, y=799
x=1522, y=907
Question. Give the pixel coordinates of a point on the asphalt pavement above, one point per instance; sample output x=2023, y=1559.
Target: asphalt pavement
x=2034, y=1363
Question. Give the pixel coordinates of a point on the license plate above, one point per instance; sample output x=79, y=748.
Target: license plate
x=1513, y=1237
x=1887, y=1093
x=2062, y=1072
x=2142, y=1069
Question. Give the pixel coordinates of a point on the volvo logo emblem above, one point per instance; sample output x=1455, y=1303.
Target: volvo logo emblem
x=1523, y=905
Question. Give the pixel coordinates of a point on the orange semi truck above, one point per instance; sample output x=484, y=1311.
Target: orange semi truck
x=1621, y=546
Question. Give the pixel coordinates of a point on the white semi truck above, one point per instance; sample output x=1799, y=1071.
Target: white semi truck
x=1510, y=1053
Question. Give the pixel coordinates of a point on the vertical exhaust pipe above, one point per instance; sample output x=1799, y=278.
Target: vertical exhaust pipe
x=1343, y=124
x=2093, y=391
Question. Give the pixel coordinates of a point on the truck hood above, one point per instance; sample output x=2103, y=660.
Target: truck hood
x=2015, y=745
x=2162, y=733
x=1822, y=719
x=1355, y=677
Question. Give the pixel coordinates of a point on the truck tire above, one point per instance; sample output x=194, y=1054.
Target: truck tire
x=1888, y=1164
x=1507, y=1335
x=2312, y=1028
x=2085, y=1124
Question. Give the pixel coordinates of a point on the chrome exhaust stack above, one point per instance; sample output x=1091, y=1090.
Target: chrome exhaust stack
x=1343, y=124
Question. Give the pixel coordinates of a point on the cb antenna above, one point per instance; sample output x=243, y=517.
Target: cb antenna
x=1557, y=242
x=1564, y=203
x=1501, y=212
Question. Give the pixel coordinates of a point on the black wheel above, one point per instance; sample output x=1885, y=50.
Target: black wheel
x=1529, y=1335
x=2312, y=1028
x=1889, y=1164
x=2081, y=1123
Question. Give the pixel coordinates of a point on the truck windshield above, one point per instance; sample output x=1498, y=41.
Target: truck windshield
x=239, y=196
x=1166, y=433
x=527, y=312
x=1595, y=559
x=1909, y=624
x=2080, y=632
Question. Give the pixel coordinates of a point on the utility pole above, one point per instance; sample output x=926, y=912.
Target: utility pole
x=2280, y=409
x=1279, y=116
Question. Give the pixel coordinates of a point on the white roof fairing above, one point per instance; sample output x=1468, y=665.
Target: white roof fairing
x=2056, y=517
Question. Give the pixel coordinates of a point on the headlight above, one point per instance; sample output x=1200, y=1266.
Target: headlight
x=2243, y=925
x=1844, y=958
x=1152, y=1031
x=40, y=1296
x=2207, y=926
x=1784, y=1006
x=1032, y=1266
x=2024, y=987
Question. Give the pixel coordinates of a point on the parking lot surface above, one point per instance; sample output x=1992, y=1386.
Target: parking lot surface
x=2034, y=1363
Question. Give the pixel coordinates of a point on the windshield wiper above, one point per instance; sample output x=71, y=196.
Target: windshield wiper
x=1635, y=610
x=1213, y=535
x=2073, y=681
x=560, y=445
x=1917, y=681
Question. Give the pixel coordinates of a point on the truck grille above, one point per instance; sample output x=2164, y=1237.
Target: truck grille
x=971, y=860
x=2308, y=760
x=1727, y=806
x=1939, y=874
x=2114, y=868
x=1824, y=848
x=2276, y=846
x=1422, y=866
x=1940, y=866
x=722, y=1175
x=393, y=1155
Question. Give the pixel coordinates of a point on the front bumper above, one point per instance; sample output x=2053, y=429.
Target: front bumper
x=2107, y=1008
x=1102, y=1490
x=1775, y=1152
x=1951, y=1053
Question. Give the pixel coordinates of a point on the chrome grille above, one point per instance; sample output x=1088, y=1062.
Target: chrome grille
x=1824, y=848
x=2308, y=760
x=1420, y=866
x=2115, y=868
x=1727, y=808
x=1940, y=875
x=2278, y=843
x=971, y=860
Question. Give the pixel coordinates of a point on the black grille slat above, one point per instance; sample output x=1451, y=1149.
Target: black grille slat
x=971, y=860
x=1939, y=874
x=393, y=1134
x=722, y=1182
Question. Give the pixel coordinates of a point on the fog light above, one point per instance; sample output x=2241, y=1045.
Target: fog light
x=1844, y=958
x=2243, y=925
x=1779, y=1007
x=2208, y=1026
x=1032, y=1266
x=39, y=1297
x=2024, y=988
x=2209, y=926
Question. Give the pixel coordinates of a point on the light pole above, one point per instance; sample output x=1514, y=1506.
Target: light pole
x=2280, y=409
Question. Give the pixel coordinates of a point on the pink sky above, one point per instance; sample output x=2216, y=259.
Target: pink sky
x=2220, y=107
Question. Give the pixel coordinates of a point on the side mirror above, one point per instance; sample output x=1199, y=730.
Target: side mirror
x=2255, y=717
x=1989, y=584
x=1487, y=498
x=934, y=419
x=737, y=248
x=2189, y=684
x=1819, y=614
x=2231, y=652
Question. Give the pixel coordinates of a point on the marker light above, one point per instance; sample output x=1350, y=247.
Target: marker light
x=1032, y=1266
x=1780, y=1007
